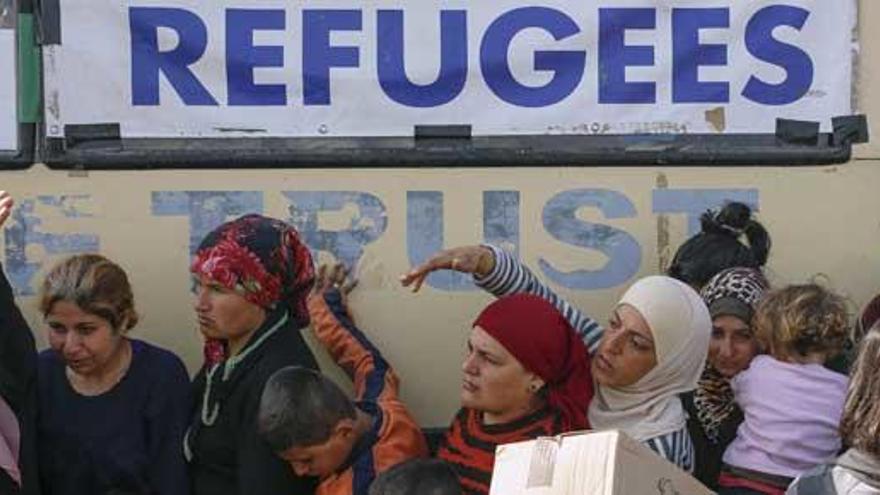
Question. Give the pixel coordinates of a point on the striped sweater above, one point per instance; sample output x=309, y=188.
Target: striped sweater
x=510, y=276
x=469, y=445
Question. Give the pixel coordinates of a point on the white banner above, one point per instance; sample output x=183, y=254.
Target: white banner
x=232, y=68
x=8, y=99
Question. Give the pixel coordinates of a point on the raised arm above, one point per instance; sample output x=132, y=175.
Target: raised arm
x=509, y=276
x=18, y=357
x=333, y=326
x=501, y=274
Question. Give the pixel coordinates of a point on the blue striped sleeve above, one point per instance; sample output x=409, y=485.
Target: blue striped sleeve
x=675, y=447
x=510, y=276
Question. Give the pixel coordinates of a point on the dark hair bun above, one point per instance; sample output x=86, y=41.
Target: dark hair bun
x=720, y=245
x=732, y=220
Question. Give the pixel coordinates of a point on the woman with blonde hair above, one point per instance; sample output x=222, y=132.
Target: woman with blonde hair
x=857, y=471
x=113, y=409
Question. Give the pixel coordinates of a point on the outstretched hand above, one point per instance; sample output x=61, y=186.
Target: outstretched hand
x=477, y=260
x=334, y=277
x=6, y=204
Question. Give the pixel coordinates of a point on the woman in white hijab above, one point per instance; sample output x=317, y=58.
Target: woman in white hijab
x=653, y=349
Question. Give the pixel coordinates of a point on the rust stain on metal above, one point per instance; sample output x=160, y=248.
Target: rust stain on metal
x=717, y=118
x=663, y=249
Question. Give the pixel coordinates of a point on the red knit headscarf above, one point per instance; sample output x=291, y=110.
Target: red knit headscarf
x=264, y=260
x=540, y=338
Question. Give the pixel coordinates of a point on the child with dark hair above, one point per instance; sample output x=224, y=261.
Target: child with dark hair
x=857, y=471
x=792, y=404
x=418, y=477
x=718, y=247
x=310, y=422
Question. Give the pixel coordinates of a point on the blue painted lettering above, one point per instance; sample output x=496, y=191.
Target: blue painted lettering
x=695, y=202
x=147, y=62
x=567, y=66
x=242, y=57
x=622, y=249
x=23, y=232
x=453, y=60
x=688, y=55
x=319, y=56
x=615, y=55
x=763, y=46
x=205, y=209
x=424, y=231
x=366, y=223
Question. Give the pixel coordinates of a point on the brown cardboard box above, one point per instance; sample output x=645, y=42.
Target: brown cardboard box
x=587, y=463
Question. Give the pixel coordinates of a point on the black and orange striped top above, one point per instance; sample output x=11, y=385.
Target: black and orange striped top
x=469, y=445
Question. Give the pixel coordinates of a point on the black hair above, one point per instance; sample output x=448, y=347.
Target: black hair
x=718, y=247
x=300, y=407
x=417, y=477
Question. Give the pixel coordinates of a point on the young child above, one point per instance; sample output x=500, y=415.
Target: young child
x=418, y=477
x=310, y=422
x=857, y=471
x=792, y=404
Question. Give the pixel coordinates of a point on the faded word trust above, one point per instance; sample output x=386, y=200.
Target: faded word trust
x=366, y=222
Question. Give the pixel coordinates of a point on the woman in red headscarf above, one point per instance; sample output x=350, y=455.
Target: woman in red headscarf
x=251, y=279
x=516, y=387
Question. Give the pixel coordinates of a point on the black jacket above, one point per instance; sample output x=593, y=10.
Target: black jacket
x=229, y=457
x=18, y=385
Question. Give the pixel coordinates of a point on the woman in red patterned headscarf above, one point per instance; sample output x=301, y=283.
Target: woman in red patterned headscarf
x=251, y=278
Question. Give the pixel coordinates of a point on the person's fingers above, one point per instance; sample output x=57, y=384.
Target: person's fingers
x=321, y=278
x=419, y=280
x=6, y=204
x=337, y=278
x=349, y=286
x=408, y=278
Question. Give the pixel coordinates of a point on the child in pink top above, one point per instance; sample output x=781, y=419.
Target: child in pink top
x=792, y=404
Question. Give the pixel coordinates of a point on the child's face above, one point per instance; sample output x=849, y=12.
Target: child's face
x=323, y=459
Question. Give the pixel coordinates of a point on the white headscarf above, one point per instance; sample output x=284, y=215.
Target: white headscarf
x=681, y=327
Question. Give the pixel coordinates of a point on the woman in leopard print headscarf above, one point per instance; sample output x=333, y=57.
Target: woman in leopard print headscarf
x=732, y=297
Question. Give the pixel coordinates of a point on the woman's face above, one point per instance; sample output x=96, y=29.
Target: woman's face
x=222, y=313
x=733, y=345
x=626, y=352
x=86, y=341
x=494, y=381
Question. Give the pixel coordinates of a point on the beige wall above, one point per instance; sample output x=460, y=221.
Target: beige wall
x=868, y=75
x=823, y=220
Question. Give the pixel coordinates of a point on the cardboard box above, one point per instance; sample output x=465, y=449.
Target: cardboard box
x=587, y=463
